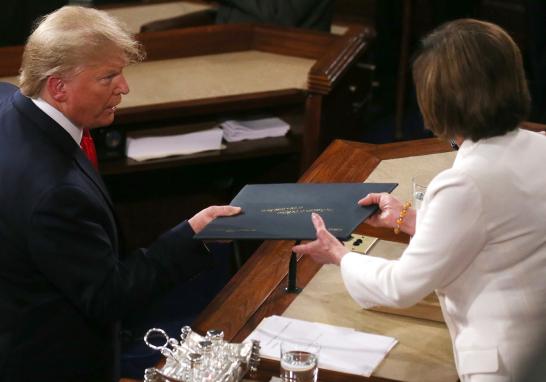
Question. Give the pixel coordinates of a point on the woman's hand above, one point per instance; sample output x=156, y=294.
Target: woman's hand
x=204, y=217
x=326, y=249
x=389, y=211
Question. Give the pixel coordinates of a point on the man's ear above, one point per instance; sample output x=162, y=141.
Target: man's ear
x=56, y=88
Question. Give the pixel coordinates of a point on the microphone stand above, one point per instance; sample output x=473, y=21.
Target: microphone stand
x=292, y=273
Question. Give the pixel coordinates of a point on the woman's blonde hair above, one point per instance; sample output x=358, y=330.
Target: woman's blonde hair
x=68, y=39
x=470, y=81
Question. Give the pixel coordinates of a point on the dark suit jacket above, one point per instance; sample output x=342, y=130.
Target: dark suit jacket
x=309, y=14
x=6, y=90
x=63, y=286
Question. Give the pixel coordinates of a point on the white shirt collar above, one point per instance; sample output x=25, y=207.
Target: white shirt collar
x=74, y=131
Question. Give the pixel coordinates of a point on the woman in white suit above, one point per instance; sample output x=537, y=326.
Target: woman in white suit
x=479, y=238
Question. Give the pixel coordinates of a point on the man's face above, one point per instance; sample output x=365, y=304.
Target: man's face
x=94, y=91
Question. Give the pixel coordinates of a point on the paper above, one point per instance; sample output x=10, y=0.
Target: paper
x=254, y=129
x=181, y=144
x=342, y=349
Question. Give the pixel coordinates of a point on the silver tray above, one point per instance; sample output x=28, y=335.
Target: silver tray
x=194, y=358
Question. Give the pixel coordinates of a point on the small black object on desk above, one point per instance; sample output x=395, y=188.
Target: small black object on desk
x=293, y=273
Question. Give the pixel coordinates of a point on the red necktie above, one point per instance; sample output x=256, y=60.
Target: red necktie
x=88, y=148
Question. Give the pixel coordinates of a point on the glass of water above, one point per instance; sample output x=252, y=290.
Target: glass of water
x=419, y=187
x=299, y=360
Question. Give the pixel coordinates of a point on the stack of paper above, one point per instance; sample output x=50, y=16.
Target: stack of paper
x=254, y=129
x=342, y=349
x=181, y=144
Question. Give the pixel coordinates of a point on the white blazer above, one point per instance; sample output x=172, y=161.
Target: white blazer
x=480, y=242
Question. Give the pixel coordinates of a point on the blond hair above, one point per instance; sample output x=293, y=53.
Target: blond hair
x=68, y=39
x=470, y=81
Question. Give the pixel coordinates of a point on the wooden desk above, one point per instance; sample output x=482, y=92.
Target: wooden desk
x=319, y=103
x=170, y=14
x=136, y=14
x=257, y=290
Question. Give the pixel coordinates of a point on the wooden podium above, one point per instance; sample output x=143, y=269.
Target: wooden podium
x=202, y=75
x=257, y=290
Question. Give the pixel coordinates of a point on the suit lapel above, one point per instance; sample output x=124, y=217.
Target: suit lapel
x=61, y=139
x=86, y=166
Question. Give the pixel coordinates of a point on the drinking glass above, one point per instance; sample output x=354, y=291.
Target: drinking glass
x=419, y=185
x=299, y=360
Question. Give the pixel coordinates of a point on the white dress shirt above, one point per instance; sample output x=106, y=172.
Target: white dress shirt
x=480, y=241
x=75, y=132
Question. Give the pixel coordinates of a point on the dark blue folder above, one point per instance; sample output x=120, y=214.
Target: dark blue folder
x=283, y=211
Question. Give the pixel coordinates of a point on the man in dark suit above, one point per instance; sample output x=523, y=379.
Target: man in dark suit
x=64, y=283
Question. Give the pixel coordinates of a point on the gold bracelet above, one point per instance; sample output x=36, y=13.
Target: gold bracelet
x=400, y=219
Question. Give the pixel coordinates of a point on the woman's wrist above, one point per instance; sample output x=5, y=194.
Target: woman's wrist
x=401, y=217
x=408, y=225
x=405, y=222
x=339, y=253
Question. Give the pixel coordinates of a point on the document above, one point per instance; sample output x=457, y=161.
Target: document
x=180, y=144
x=342, y=349
x=282, y=211
x=239, y=130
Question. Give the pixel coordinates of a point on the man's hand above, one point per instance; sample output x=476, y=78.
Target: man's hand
x=204, y=217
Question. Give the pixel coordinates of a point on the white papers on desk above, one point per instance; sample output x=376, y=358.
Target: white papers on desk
x=235, y=131
x=180, y=144
x=342, y=349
